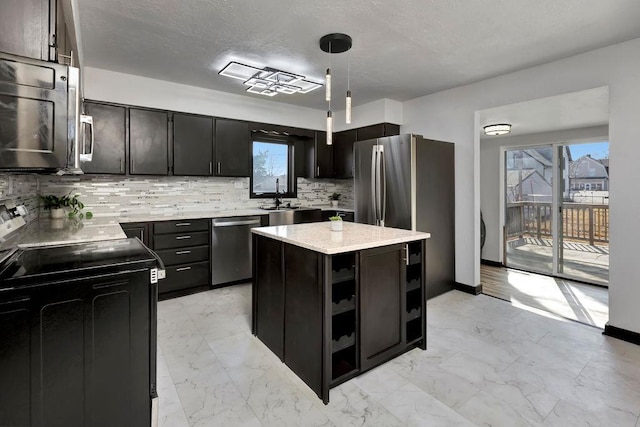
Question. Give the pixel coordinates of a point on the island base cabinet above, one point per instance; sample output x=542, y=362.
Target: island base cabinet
x=382, y=304
x=332, y=317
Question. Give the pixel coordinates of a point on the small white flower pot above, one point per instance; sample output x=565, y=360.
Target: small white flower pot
x=336, y=225
x=334, y=203
x=56, y=213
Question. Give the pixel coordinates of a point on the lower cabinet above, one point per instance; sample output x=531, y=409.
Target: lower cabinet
x=346, y=215
x=185, y=249
x=382, y=296
x=77, y=353
x=332, y=317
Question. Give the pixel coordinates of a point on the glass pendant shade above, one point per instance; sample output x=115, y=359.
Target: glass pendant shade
x=347, y=110
x=329, y=128
x=328, y=85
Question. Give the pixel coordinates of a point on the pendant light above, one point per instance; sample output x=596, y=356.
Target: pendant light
x=335, y=43
x=347, y=104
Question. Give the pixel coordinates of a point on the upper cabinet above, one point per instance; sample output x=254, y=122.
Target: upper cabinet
x=232, y=148
x=192, y=145
x=36, y=29
x=343, y=153
x=377, y=131
x=319, y=161
x=110, y=129
x=148, y=142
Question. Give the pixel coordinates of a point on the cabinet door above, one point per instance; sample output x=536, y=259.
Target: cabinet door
x=343, y=153
x=320, y=157
x=377, y=131
x=148, y=142
x=109, y=123
x=192, y=145
x=382, y=304
x=232, y=148
x=25, y=27
x=137, y=229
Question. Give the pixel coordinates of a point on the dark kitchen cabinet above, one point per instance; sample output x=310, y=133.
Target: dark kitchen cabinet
x=29, y=28
x=382, y=302
x=319, y=159
x=377, y=131
x=109, y=123
x=343, y=153
x=77, y=353
x=332, y=317
x=232, y=148
x=192, y=145
x=137, y=229
x=185, y=248
x=148, y=142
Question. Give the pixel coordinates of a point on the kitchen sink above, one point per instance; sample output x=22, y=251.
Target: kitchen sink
x=296, y=215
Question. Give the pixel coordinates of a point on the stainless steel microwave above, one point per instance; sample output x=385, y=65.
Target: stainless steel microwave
x=41, y=127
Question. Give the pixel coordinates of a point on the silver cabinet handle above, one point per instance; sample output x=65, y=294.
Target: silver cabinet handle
x=406, y=254
x=317, y=170
x=210, y=168
x=232, y=223
x=183, y=224
x=182, y=237
x=182, y=252
x=218, y=167
x=121, y=164
x=183, y=268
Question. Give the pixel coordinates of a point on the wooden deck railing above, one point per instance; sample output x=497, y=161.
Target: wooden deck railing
x=580, y=221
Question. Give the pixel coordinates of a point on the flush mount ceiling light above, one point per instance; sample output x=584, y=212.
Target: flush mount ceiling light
x=268, y=81
x=497, y=130
x=335, y=43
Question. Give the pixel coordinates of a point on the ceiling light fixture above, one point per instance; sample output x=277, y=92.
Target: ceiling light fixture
x=268, y=81
x=497, y=129
x=335, y=43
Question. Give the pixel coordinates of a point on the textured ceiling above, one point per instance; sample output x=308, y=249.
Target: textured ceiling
x=401, y=49
x=567, y=111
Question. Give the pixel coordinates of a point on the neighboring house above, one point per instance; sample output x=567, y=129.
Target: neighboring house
x=527, y=185
x=588, y=174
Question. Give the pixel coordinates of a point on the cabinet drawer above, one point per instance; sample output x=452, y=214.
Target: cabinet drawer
x=180, y=240
x=184, y=226
x=184, y=255
x=185, y=277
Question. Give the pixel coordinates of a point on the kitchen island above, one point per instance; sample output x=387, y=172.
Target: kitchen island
x=334, y=304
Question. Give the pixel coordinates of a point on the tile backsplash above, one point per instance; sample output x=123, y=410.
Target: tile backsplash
x=23, y=190
x=123, y=196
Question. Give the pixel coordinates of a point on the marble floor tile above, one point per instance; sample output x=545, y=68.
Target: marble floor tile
x=487, y=363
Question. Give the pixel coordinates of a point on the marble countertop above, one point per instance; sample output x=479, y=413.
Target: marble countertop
x=318, y=236
x=45, y=231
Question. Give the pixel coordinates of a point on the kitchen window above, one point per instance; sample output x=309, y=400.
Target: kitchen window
x=272, y=168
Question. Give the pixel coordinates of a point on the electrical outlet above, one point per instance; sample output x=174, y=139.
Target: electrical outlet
x=238, y=184
x=316, y=185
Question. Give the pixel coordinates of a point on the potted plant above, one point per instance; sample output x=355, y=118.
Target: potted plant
x=334, y=199
x=336, y=223
x=56, y=206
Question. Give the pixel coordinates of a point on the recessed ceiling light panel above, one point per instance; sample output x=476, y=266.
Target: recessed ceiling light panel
x=268, y=81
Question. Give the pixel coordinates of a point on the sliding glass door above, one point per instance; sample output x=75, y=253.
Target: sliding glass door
x=557, y=210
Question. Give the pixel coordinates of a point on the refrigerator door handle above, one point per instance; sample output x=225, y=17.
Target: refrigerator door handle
x=382, y=199
x=374, y=176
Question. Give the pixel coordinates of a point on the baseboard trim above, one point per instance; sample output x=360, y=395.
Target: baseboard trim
x=491, y=263
x=622, y=334
x=473, y=290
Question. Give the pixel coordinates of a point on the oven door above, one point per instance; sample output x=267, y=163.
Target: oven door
x=37, y=113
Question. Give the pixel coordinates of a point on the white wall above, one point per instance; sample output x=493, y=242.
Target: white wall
x=492, y=182
x=104, y=85
x=111, y=86
x=452, y=116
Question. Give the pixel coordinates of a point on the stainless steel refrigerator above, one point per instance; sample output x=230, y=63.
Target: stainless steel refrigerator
x=407, y=181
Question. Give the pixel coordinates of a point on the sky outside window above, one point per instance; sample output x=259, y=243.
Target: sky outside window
x=270, y=162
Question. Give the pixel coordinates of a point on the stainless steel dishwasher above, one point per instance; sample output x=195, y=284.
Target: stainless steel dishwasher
x=231, y=248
